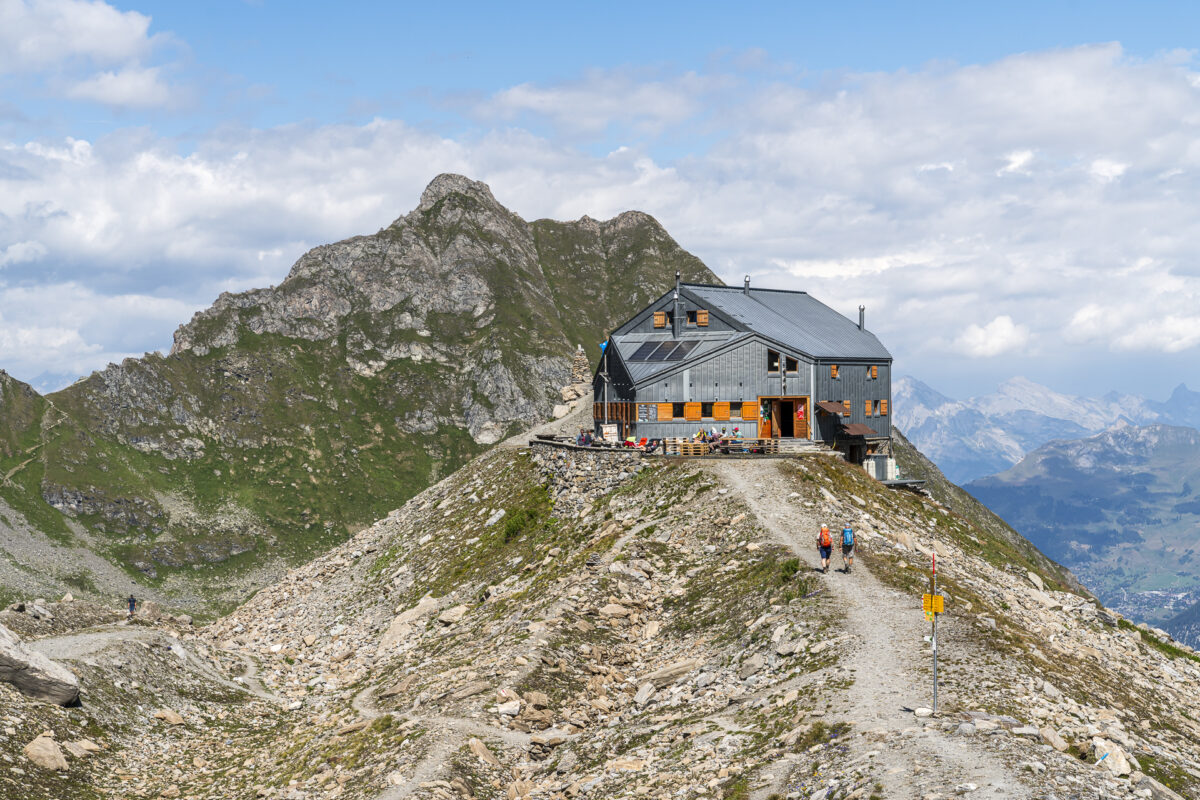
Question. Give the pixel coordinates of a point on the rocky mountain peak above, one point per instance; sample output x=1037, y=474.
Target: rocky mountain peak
x=448, y=184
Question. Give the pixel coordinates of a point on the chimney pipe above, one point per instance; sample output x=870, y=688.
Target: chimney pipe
x=677, y=311
x=746, y=285
x=862, y=318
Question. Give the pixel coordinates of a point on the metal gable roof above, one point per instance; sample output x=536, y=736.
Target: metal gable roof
x=795, y=319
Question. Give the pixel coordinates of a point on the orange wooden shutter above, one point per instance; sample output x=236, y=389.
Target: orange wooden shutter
x=868, y=408
x=833, y=370
x=883, y=408
x=846, y=405
x=750, y=410
x=665, y=411
x=874, y=371
x=660, y=319
x=691, y=411
x=721, y=411
x=597, y=411
x=702, y=317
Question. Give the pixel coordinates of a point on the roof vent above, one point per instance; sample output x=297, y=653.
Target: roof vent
x=862, y=318
x=746, y=285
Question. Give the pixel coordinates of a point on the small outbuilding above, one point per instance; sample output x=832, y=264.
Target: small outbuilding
x=769, y=362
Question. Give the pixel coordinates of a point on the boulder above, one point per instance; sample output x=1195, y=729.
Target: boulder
x=46, y=753
x=424, y=607
x=1036, y=580
x=169, y=716
x=673, y=672
x=482, y=753
x=1110, y=756
x=751, y=665
x=1051, y=737
x=452, y=615
x=34, y=674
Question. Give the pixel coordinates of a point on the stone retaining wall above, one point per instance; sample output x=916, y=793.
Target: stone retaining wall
x=578, y=475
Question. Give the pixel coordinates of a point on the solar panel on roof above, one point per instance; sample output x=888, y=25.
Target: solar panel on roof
x=663, y=351
x=644, y=351
x=681, y=352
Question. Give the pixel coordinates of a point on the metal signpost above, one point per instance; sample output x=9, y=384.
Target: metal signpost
x=933, y=603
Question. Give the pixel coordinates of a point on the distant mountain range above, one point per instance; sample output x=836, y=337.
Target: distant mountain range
x=1121, y=509
x=983, y=435
x=1108, y=486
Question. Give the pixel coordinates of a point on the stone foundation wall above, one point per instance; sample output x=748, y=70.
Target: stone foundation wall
x=578, y=475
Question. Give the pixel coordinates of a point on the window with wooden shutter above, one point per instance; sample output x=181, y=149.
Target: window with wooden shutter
x=597, y=411
x=874, y=372
x=750, y=411
x=702, y=318
x=721, y=411
x=660, y=319
x=846, y=405
x=691, y=411
x=833, y=371
x=883, y=404
x=664, y=412
x=867, y=408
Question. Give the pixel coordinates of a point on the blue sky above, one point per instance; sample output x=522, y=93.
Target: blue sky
x=1009, y=189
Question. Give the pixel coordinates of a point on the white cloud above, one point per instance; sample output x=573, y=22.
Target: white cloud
x=879, y=189
x=1018, y=163
x=36, y=34
x=82, y=50
x=1108, y=170
x=602, y=98
x=68, y=329
x=22, y=252
x=999, y=336
x=132, y=87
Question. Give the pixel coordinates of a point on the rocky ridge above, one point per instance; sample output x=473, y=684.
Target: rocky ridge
x=550, y=622
x=285, y=419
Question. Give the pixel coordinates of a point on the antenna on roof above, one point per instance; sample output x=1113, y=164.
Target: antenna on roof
x=746, y=285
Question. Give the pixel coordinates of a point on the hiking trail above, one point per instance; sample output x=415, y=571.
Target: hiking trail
x=886, y=629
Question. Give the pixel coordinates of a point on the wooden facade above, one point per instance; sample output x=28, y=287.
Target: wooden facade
x=759, y=360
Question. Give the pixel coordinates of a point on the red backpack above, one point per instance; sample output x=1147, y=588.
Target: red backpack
x=825, y=539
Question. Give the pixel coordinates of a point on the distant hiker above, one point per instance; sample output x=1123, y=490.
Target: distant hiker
x=132, y=601
x=824, y=546
x=848, y=547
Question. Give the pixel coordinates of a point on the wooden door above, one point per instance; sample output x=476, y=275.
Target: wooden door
x=802, y=418
x=764, y=425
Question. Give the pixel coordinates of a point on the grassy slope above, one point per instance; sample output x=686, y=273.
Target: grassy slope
x=299, y=450
x=998, y=535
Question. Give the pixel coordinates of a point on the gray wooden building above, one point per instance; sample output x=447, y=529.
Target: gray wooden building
x=772, y=363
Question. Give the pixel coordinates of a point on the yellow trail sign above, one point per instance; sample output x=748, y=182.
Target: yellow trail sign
x=933, y=603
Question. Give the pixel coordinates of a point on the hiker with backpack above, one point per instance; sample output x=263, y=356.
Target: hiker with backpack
x=847, y=547
x=824, y=546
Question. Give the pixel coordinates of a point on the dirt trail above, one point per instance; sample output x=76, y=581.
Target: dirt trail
x=884, y=655
x=447, y=733
x=81, y=644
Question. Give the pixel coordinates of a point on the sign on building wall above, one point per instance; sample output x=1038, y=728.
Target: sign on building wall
x=647, y=412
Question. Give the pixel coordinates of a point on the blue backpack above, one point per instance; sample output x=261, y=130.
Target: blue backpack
x=847, y=537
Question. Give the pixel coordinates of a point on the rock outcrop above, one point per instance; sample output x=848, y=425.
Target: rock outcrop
x=33, y=674
x=284, y=419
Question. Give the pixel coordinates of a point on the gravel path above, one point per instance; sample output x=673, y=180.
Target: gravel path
x=74, y=646
x=887, y=631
